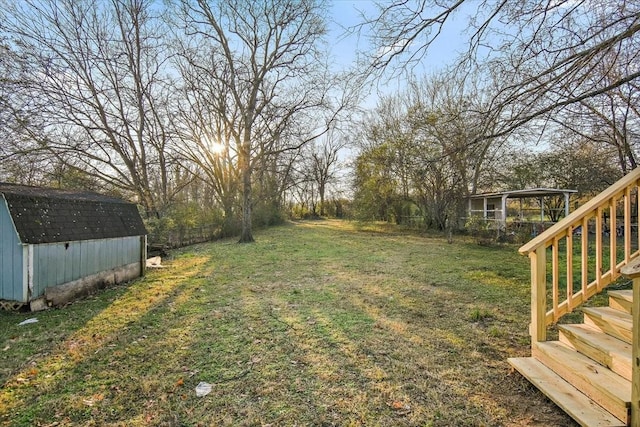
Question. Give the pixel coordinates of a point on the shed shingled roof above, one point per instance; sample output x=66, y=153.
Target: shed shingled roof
x=46, y=215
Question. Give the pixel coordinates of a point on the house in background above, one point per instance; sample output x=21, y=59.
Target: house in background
x=56, y=245
x=495, y=207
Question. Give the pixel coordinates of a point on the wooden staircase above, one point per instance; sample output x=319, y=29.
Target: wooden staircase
x=588, y=372
x=593, y=370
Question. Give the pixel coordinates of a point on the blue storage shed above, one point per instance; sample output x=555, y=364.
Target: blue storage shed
x=56, y=244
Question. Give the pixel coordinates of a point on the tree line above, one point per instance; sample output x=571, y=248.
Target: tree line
x=232, y=112
x=222, y=105
x=545, y=94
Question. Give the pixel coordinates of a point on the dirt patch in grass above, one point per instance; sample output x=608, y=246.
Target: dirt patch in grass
x=322, y=323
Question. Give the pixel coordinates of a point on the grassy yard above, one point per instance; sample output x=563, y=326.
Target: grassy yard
x=322, y=323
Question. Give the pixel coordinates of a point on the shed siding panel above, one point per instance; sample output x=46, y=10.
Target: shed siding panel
x=94, y=260
x=111, y=252
x=100, y=254
x=77, y=260
x=118, y=253
x=85, y=255
x=68, y=262
x=56, y=264
x=52, y=267
x=60, y=271
x=115, y=253
x=11, y=262
x=131, y=254
x=122, y=252
x=40, y=268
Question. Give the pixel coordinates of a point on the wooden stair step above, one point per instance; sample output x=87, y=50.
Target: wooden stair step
x=603, y=348
x=621, y=300
x=578, y=406
x=610, y=321
x=599, y=383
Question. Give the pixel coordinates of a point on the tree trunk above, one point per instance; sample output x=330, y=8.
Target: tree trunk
x=246, y=235
x=321, y=191
x=228, y=224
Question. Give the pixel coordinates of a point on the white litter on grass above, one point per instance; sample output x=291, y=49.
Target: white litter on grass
x=26, y=322
x=203, y=389
x=154, y=262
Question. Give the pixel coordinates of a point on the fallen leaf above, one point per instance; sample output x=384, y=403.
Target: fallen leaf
x=397, y=405
x=180, y=382
x=400, y=408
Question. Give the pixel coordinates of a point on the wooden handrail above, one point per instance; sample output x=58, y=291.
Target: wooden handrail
x=542, y=239
x=592, y=273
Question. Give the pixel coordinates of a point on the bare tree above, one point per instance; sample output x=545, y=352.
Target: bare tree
x=425, y=149
x=447, y=114
x=389, y=152
x=611, y=119
x=202, y=119
x=96, y=72
x=269, y=61
x=322, y=162
x=21, y=159
x=541, y=54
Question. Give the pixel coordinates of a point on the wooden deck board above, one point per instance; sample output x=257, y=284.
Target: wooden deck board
x=599, y=383
x=610, y=321
x=582, y=409
x=621, y=300
x=601, y=347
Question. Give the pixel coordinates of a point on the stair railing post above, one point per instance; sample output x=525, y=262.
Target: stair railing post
x=538, y=327
x=632, y=271
x=635, y=374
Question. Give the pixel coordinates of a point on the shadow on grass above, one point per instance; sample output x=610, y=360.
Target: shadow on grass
x=315, y=324
x=70, y=379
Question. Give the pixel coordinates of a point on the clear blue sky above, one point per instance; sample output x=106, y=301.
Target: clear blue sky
x=347, y=13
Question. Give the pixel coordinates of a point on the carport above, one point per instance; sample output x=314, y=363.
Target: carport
x=493, y=206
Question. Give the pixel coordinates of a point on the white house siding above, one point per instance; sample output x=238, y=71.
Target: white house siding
x=58, y=263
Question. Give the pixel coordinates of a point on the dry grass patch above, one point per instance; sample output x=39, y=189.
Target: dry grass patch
x=323, y=323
